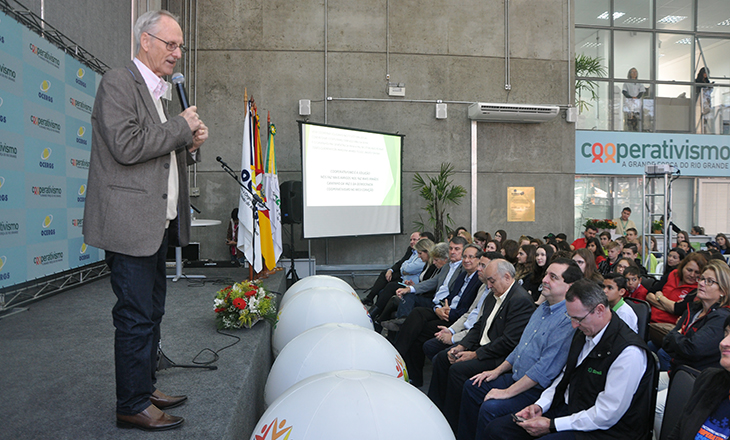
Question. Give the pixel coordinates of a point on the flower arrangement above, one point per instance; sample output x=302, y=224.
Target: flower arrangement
x=243, y=305
x=657, y=226
x=606, y=223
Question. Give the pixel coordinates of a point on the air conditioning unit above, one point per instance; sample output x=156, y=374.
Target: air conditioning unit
x=520, y=113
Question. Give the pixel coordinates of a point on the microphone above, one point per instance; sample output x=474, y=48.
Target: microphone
x=179, y=80
x=222, y=162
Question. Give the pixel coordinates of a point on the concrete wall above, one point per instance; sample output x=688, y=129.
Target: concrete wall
x=449, y=50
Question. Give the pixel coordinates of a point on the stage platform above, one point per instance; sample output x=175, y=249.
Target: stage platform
x=57, y=365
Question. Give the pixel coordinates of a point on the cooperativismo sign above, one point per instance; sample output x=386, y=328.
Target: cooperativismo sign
x=621, y=153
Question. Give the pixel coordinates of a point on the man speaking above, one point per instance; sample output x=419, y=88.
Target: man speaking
x=137, y=201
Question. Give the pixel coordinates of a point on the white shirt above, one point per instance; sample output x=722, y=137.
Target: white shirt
x=157, y=87
x=485, y=334
x=622, y=381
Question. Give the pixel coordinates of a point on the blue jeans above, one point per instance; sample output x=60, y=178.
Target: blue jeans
x=665, y=360
x=475, y=413
x=139, y=284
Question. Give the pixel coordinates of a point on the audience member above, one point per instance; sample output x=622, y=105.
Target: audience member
x=509, y=250
x=613, y=251
x=466, y=235
x=623, y=263
x=543, y=256
x=631, y=235
x=681, y=281
x=536, y=242
x=682, y=236
x=634, y=289
x=525, y=264
x=494, y=246
x=605, y=238
x=481, y=238
x=393, y=273
x=686, y=246
x=631, y=251
x=448, y=336
x=697, y=230
x=423, y=322
x=722, y=245
x=708, y=408
x=623, y=223
x=536, y=361
x=505, y=314
x=673, y=258
x=605, y=387
x=500, y=235
x=594, y=245
x=580, y=243
x=614, y=286
x=524, y=240
x=587, y=263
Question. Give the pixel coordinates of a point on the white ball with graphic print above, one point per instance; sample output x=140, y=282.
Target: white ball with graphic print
x=352, y=405
x=321, y=306
x=332, y=347
x=317, y=281
x=341, y=289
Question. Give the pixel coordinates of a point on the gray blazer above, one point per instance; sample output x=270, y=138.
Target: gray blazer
x=431, y=285
x=126, y=198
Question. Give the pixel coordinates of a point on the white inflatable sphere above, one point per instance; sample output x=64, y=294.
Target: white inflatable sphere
x=344, y=291
x=317, y=281
x=317, y=308
x=353, y=405
x=332, y=347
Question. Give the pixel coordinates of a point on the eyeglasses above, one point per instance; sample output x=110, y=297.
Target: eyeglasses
x=579, y=320
x=708, y=281
x=170, y=46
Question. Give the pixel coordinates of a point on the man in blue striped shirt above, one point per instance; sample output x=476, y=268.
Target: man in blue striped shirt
x=535, y=362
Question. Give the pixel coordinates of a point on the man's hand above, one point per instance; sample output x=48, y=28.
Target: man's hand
x=408, y=283
x=537, y=426
x=530, y=412
x=497, y=394
x=484, y=376
x=466, y=356
x=199, y=137
x=454, y=352
x=443, y=335
x=191, y=117
x=402, y=291
x=389, y=274
x=443, y=311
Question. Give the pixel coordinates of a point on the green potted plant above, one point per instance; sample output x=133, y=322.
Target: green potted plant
x=439, y=192
x=587, y=66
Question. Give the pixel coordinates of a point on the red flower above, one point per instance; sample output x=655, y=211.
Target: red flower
x=220, y=309
x=239, y=303
x=250, y=293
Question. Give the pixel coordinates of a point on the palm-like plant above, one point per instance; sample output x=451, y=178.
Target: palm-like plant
x=587, y=66
x=439, y=192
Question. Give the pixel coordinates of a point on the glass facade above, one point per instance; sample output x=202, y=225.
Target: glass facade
x=657, y=47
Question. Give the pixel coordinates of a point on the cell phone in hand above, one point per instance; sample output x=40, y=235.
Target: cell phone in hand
x=517, y=418
x=403, y=284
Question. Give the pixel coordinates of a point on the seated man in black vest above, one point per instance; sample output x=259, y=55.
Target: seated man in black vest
x=604, y=391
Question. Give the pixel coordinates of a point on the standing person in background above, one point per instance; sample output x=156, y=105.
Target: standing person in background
x=633, y=91
x=137, y=200
x=237, y=257
x=623, y=223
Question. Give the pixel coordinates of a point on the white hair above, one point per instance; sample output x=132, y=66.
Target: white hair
x=148, y=22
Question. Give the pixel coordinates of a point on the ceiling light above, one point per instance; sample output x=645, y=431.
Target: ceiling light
x=616, y=15
x=634, y=20
x=684, y=41
x=724, y=23
x=590, y=44
x=672, y=19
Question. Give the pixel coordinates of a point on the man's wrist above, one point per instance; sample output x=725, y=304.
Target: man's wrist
x=552, y=426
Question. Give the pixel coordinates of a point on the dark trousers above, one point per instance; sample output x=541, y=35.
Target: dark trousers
x=476, y=414
x=419, y=327
x=448, y=380
x=386, y=294
x=433, y=346
x=139, y=284
x=504, y=428
x=381, y=282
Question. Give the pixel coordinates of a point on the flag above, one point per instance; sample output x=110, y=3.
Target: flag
x=271, y=190
x=265, y=241
x=248, y=241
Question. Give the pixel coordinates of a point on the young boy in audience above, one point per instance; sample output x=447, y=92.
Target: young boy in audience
x=613, y=250
x=614, y=286
x=605, y=238
x=631, y=234
x=634, y=289
x=631, y=251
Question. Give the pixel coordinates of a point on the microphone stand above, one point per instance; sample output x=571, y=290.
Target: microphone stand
x=164, y=362
x=257, y=203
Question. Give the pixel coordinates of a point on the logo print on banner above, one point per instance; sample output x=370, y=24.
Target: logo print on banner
x=3, y=119
x=276, y=428
x=45, y=155
x=80, y=136
x=2, y=181
x=53, y=257
x=83, y=255
x=46, y=124
x=45, y=55
x=79, y=75
x=80, y=163
x=46, y=224
x=77, y=222
x=82, y=191
x=81, y=105
x=6, y=275
x=45, y=86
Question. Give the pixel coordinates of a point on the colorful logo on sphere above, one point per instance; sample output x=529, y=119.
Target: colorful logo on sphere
x=80, y=73
x=276, y=429
x=45, y=85
x=46, y=153
x=400, y=366
x=82, y=189
x=47, y=221
x=81, y=131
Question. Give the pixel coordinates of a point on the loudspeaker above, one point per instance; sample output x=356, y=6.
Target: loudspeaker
x=305, y=107
x=291, y=202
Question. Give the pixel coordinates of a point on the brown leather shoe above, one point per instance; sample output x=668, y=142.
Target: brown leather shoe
x=151, y=419
x=163, y=401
